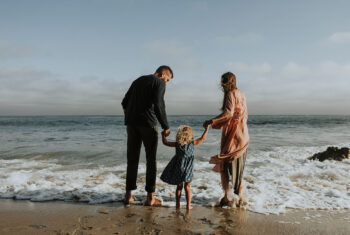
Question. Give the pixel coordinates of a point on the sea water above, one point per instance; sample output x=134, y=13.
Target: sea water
x=83, y=159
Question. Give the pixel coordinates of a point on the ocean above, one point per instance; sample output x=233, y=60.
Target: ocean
x=83, y=159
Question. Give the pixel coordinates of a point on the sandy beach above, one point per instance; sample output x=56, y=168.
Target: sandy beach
x=26, y=217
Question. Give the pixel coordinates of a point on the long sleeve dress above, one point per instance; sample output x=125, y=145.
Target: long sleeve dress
x=234, y=137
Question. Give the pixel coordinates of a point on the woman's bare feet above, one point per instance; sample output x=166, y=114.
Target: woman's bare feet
x=224, y=202
x=241, y=202
x=189, y=207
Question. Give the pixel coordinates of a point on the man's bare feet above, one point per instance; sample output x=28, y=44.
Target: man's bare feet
x=178, y=206
x=153, y=202
x=128, y=198
x=128, y=201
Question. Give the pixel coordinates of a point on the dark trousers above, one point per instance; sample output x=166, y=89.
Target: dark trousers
x=149, y=137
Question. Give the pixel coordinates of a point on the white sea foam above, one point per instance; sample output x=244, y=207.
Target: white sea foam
x=274, y=181
x=285, y=179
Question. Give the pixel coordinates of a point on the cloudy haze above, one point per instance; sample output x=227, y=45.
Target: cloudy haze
x=80, y=57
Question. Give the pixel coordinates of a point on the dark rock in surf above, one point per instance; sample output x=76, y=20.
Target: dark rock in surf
x=332, y=153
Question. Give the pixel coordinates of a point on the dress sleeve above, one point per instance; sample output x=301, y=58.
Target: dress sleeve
x=227, y=114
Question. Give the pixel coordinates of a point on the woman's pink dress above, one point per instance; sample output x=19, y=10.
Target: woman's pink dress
x=234, y=137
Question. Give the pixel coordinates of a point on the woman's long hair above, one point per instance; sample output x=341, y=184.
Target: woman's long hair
x=228, y=84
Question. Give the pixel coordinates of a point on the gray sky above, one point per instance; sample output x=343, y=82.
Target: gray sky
x=80, y=57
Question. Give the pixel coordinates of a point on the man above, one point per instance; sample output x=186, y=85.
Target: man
x=143, y=105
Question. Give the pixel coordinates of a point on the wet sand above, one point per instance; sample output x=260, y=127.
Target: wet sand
x=26, y=217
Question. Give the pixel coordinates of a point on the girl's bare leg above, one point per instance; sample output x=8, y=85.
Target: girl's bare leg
x=188, y=195
x=225, y=186
x=178, y=194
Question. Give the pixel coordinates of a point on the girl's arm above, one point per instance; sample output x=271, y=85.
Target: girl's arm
x=202, y=138
x=166, y=142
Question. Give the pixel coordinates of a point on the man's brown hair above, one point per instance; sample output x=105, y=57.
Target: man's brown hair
x=163, y=68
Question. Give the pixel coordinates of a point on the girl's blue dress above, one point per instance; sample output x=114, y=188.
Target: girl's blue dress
x=180, y=167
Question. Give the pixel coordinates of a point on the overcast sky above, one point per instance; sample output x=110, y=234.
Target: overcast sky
x=79, y=57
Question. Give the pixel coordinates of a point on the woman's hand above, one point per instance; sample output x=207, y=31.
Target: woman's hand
x=207, y=123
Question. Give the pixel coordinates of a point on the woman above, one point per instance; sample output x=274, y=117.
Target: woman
x=234, y=138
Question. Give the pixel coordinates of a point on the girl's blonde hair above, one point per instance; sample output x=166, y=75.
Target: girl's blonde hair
x=184, y=135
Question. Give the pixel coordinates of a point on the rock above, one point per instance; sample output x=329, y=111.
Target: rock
x=332, y=153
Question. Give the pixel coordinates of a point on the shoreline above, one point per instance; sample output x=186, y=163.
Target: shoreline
x=58, y=217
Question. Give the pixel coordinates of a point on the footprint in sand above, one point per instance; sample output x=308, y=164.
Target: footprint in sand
x=130, y=215
x=106, y=212
x=206, y=221
x=38, y=226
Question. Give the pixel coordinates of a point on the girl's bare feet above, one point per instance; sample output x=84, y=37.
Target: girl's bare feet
x=178, y=195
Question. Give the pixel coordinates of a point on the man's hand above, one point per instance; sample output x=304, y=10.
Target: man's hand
x=166, y=132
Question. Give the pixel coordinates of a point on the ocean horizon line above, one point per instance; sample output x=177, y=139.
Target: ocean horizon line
x=169, y=115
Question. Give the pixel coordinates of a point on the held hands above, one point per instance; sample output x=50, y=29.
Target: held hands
x=166, y=133
x=206, y=130
x=207, y=123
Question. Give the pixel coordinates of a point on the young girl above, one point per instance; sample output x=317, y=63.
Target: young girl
x=180, y=168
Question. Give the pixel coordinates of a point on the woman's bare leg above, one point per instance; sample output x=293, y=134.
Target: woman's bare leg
x=241, y=202
x=225, y=186
x=240, y=189
x=188, y=195
x=178, y=194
